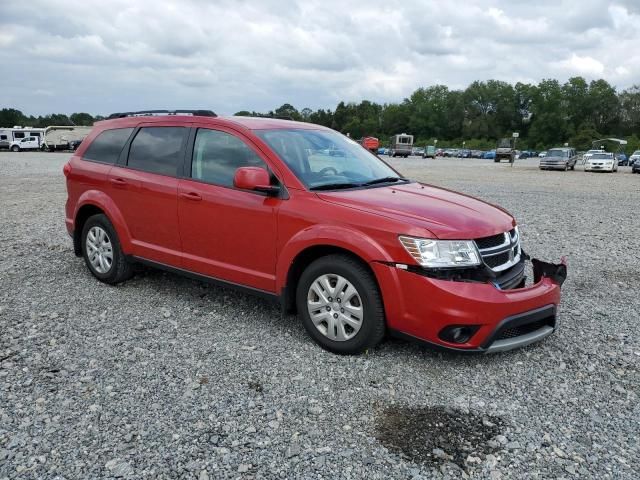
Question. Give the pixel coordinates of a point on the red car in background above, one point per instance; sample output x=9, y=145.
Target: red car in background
x=266, y=205
x=370, y=143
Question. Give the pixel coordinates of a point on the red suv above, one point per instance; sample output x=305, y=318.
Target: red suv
x=303, y=214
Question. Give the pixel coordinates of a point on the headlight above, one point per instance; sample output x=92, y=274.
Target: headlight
x=442, y=253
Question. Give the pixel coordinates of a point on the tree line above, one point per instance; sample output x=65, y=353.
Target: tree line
x=546, y=114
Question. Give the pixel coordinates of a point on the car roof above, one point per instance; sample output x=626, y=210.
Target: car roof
x=249, y=123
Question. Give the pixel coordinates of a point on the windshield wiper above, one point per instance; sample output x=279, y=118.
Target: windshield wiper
x=336, y=186
x=383, y=180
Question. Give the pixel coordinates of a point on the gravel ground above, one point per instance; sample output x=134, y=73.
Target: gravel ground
x=165, y=377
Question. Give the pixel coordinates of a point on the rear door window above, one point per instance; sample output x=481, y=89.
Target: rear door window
x=158, y=150
x=106, y=147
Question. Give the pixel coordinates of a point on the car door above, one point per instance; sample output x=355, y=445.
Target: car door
x=226, y=233
x=144, y=187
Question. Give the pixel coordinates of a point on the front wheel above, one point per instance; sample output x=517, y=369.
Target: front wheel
x=340, y=305
x=15, y=148
x=102, y=252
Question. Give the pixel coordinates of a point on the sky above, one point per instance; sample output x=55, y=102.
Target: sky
x=105, y=56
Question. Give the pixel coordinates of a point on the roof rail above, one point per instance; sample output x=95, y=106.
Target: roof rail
x=155, y=113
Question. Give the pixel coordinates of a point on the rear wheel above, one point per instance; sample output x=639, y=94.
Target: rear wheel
x=340, y=305
x=102, y=252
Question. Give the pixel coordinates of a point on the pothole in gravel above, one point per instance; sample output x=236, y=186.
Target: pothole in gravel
x=434, y=435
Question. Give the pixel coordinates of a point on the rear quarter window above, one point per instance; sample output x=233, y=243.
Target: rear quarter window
x=106, y=147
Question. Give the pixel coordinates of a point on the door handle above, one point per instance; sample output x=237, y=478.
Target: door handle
x=193, y=196
x=119, y=182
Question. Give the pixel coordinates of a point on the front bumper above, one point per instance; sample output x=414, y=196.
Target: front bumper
x=421, y=308
x=598, y=168
x=554, y=165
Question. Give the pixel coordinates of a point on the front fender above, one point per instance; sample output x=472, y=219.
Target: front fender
x=101, y=200
x=349, y=239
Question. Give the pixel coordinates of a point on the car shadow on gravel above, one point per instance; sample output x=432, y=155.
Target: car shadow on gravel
x=436, y=435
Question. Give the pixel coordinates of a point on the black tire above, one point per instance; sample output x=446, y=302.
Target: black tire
x=120, y=269
x=15, y=148
x=373, y=324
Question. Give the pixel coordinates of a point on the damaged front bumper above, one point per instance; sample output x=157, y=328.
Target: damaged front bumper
x=495, y=312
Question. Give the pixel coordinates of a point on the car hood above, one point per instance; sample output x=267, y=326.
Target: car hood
x=446, y=214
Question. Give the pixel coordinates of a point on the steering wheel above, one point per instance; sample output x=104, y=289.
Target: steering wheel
x=326, y=170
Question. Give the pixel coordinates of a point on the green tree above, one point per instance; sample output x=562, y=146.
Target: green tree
x=82, y=118
x=10, y=117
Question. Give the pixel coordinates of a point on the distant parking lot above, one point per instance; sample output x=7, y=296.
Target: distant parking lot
x=165, y=377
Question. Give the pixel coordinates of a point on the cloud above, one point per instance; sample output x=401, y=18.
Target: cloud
x=582, y=65
x=233, y=55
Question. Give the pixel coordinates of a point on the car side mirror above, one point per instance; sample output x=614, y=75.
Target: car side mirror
x=256, y=179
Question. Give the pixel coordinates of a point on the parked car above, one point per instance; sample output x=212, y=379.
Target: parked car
x=623, y=160
x=464, y=153
x=601, y=162
x=74, y=144
x=477, y=153
x=589, y=153
x=345, y=240
x=417, y=151
x=370, y=143
x=382, y=151
x=429, y=151
x=27, y=143
x=542, y=154
x=524, y=154
x=635, y=156
x=635, y=168
x=451, y=152
x=491, y=155
x=563, y=158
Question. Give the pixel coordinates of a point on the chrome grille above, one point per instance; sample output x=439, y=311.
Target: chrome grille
x=500, y=252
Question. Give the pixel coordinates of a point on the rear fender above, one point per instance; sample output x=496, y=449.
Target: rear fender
x=106, y=204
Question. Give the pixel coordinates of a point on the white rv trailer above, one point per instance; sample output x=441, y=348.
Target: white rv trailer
x=401, y=145
x=59, y=137
x=11, y=134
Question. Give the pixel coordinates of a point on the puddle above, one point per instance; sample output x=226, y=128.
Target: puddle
x=416, y=432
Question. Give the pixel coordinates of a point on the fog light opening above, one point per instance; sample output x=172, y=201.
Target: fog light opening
x=458, y=333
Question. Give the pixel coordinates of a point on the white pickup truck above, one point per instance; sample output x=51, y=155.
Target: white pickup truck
x=26, y=143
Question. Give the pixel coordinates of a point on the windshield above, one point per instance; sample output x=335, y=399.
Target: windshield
x=557, y=153
x=326, y=158
x=505, y=143
x=601, y=156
